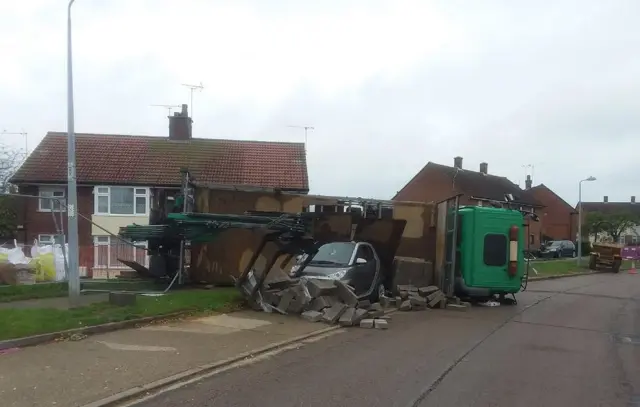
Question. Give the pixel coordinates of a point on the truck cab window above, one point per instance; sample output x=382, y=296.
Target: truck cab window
x=495, y=250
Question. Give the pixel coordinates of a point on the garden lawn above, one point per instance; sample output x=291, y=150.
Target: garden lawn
x=16, y=323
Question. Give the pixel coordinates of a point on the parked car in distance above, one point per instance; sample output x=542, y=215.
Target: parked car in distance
x=558, y=248
x=354, y=263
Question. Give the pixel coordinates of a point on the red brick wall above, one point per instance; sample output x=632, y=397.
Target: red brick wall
x=35, y=222
x=556, y=217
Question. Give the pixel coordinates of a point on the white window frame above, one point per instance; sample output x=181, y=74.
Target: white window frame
x=105, y=191
x=48, y=239
x=62, y=196
x=108, y=241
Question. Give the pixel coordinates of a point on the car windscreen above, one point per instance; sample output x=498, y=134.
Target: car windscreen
x=331, y=254
x=553, y=245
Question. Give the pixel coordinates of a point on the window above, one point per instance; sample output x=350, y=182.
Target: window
x=622, y=240
x=51, y=198
x=365, y=252
x=45, y=240
x=495, y=250
x=108, y=251
x=532, y=239
x=121, y=201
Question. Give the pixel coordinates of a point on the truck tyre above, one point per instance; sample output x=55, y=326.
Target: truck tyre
x=616, y=265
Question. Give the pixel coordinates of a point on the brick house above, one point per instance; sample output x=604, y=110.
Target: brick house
x=558, y=219
x=631, y=236
x=437, y=182
x=119, y=176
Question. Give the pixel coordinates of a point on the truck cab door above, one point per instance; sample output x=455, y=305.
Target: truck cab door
x=365, y=269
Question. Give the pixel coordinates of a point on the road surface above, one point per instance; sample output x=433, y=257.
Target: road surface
x=569, y=342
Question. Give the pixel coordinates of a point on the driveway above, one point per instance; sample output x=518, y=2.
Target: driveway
x=569, y=342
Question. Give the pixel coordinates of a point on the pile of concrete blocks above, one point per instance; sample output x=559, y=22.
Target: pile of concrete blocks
x=412, y=298
x=323, y=300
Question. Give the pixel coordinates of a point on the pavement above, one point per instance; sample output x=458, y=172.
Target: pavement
x=572, y=342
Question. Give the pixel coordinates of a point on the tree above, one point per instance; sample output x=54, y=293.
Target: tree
x=613, y=224
x=10, y=161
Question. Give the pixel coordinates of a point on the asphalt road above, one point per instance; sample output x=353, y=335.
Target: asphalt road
x=569, y=342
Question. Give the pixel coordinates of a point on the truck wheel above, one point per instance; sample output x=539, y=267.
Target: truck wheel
x=616, y=265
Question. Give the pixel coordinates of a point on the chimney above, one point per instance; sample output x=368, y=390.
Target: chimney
x=180, y=125
x=483, y=168
x=606, y=198
x=633, y=199
x=457, y=162
x=527, y=182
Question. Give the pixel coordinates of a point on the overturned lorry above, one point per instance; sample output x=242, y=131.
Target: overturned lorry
x=257, y=238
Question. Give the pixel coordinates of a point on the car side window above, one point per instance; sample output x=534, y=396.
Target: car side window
x=365, y=252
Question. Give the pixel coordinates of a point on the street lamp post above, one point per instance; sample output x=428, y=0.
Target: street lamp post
x=72, y=203
x=580, y=217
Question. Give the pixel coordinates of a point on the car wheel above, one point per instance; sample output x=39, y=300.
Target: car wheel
x=378, y=292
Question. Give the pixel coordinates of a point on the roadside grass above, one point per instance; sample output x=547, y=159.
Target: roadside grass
x=546, y=268
x=11, y=293
x=16, y=323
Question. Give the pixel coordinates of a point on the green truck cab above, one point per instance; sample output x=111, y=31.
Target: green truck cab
x=490, y=244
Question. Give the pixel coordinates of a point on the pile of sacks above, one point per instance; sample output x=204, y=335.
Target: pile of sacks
x=320, y=300
x=46, y=264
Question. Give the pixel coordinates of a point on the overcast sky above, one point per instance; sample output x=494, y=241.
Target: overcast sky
x=388, y=85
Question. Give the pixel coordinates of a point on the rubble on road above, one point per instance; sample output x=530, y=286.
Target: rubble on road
x=335, y=302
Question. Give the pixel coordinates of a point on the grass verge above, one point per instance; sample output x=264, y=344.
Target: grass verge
x=547, y=268
x=11, y=293
x=17, y=323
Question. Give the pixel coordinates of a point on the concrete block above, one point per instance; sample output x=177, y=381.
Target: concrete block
x=412, y=271
x=332, y=314
x=407, y=287
x=285, y=299
x=425, y=291
x=320, y=303
x=364, y=304
x=280, y=284
x=380, y=324
x=405, y=306
x=403, y=294
x=345, y=294
x=312, y=316
x=122, y=299
x=346, y=319
x=434, y=295
x=367, y=323
x=466, y=304
x=398, y=301
x=319, y=288
x=418, y=302
x=376, y=310
x=359, y=315
x=296, y=305
x=457, y=307
x=438, y=298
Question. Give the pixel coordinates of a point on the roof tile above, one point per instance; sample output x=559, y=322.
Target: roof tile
x=146, y=160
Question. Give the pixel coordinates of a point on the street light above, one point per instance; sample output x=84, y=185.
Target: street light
x=72, y=203
x=580, y=216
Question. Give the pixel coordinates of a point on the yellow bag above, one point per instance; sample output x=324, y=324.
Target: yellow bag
x=45, y=267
